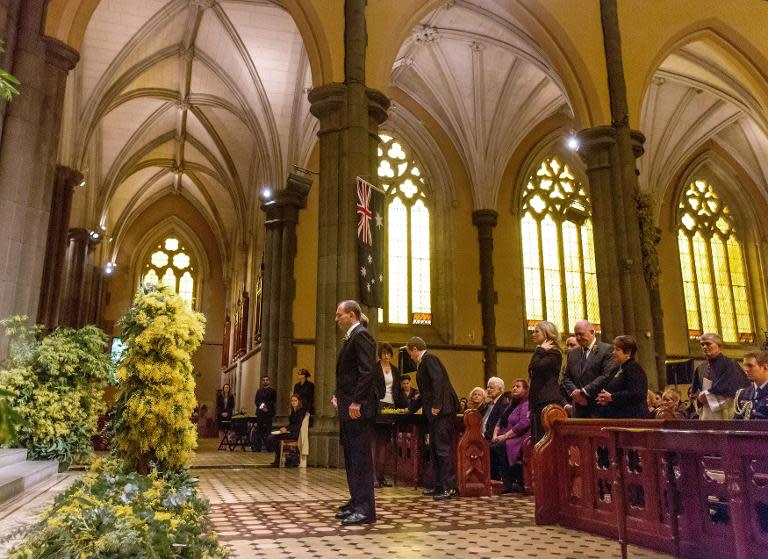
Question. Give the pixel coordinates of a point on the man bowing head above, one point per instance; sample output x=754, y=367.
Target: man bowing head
x=356, y=400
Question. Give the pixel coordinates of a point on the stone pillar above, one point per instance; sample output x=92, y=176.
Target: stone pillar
x=28, y=150
x=349, y=115
x=56, y=246
x=77, y=262
x=278, y=355
x=485, y=221
x=623, y=293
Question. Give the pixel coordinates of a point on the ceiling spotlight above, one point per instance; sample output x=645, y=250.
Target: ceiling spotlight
x=109, y=268
x=572, y=143
x=95, y=235
x=82, y=183
x=266, y=193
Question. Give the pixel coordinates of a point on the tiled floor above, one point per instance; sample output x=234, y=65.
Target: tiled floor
x=263, y=512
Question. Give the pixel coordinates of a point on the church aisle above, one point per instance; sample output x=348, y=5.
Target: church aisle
x=263, y=512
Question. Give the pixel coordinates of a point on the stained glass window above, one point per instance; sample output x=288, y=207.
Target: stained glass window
x=171, y=265
x=408, y=297
x=558, y=250
x=712, y=265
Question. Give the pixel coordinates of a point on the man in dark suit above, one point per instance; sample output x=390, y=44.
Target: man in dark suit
x=588, y=369
x=265, y=412
x=498, y=402
x=440, y=404
x=357, y=404
x=752, y=401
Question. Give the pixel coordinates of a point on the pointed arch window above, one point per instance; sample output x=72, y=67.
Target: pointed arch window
x=170, y=264
x=408, y=296
x=558, y=249
x=712, y=265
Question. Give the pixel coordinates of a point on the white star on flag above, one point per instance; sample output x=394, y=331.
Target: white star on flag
x=373, y=280
x=363, y=271
x=381, y=278
x=379, y=220
x=368, y=285
x=370, y=259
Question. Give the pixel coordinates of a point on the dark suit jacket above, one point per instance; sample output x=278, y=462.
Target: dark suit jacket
x=381, y=387
x=544, y=373
x=225, y=405
x=757, y=397
x=592, y=374
x=495, y=414
x=407, y=401
x=306, y=393
x=435, y=387
x=354, y=374
x=266, y=396
x=629, y=390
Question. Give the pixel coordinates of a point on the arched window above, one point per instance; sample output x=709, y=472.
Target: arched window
x=171, y=265
x=712, y=264
x=408, y=297
x=558, y=250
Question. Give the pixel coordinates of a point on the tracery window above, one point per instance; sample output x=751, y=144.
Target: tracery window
x=712, y=264
x=408, y=298
x=558, y=248
x=171, y=265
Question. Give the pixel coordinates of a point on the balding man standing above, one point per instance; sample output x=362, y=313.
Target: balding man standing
x=588, y=369
x=716, y=380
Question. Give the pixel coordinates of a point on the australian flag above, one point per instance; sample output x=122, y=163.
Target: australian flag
x=369, y=207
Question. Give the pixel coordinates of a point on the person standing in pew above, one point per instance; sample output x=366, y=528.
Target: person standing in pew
x=440, y=404
x=752, y=402
x=587, y=369
x=716, y=381
x=624, y=396
x=544, y=374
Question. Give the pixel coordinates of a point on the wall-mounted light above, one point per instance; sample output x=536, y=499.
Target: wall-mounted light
x=95, y=235
x=266, y=193
x=109, y=268
x=572, y=142
x=82, y=184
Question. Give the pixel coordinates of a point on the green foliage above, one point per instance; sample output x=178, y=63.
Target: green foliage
x=55, y=384
x=114, y=514
x=7, y=82
x=156, y=397
x=649, y=239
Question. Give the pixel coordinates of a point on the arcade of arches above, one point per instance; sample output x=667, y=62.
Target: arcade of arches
x=533, y=168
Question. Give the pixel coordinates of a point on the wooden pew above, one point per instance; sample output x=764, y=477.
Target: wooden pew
x=695, y=489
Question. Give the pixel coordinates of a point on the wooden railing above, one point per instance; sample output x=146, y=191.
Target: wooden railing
x=688, y=488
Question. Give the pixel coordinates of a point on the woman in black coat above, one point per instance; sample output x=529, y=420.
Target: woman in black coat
x=291, y=431
x=544, y=374
x=305, y=389
x=625, y=394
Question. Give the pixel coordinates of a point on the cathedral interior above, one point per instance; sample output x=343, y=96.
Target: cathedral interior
x=540, y=160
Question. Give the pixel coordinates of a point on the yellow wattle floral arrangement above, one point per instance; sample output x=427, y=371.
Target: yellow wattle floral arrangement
x=156, y=397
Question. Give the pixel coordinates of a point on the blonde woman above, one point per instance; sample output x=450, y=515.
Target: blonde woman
x=477, y=399
x=544, y=374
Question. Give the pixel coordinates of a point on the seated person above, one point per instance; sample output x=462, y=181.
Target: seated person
x=752, y=401
x=463, y=403
x=670, y=401
x=508, y=436
x=477, y=399
x=289, y=432
x=225, y=404
x=406, y=395
x=654, y=401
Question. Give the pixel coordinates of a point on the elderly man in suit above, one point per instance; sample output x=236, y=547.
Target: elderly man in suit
x=357, y=403
x=588, y=369
x=440, y=404
x=716, y=381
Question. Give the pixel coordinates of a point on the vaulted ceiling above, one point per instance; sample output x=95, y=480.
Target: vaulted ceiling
x=484, y=80
x=202, y=99
x=700, y=94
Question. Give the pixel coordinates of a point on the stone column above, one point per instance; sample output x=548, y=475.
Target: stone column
x=278, y=355
x=349, y=115
x=485, y=221
x=56, y=246
x=28, y=149
x=77, y=257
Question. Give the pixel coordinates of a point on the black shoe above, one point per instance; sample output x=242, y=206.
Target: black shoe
x=345, y=506
x=430, y=492
x=445, y=495
x=385, y=483
x=357, y=518
x=344, y=513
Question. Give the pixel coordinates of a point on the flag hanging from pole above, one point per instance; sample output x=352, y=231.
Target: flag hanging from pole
x=369, y=208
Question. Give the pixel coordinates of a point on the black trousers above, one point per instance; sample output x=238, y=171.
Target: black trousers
x=442, y=432
x=273, y=443
x=261, y=433
x=356, y=436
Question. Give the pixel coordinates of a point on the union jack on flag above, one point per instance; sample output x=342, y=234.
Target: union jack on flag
x=364, y=211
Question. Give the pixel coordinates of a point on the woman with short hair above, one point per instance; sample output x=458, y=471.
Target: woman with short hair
x=625, y=394
x=477, y=399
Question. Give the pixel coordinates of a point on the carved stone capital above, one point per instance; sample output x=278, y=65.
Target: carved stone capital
x=378, y=104
x=426, y=34
x=60, y=55
x=327, y=100
x=485, y=219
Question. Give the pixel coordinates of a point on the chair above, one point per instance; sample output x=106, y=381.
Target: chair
x=226, y=427
x=301, y=444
